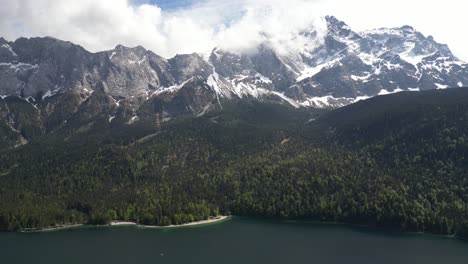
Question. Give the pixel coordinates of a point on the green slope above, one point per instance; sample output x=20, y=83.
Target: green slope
x=395, y=161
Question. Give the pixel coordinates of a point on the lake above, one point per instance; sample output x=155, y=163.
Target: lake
x=237, y=240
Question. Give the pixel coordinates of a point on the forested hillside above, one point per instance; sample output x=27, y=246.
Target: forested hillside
x=394, y=161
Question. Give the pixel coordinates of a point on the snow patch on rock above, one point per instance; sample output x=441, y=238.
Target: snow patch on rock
x=287, y=99
x=112, y=55
x=50, y=93
x=385, y=92
x=20, y=66
x=441, y=86
x=8, y=47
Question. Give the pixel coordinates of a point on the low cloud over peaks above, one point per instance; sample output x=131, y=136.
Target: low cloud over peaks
x=237, y=25
x=102, y=24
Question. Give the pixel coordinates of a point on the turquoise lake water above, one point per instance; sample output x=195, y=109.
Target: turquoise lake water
x=237, y=240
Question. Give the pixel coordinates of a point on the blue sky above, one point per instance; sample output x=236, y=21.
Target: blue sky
x=173, y=4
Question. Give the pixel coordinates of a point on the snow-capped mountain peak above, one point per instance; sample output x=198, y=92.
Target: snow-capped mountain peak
x=336, y=67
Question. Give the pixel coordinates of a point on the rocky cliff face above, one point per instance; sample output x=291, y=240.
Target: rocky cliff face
x=47, y=85
x=359, y=65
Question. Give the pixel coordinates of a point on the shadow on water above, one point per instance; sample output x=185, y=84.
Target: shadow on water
x=239, y=240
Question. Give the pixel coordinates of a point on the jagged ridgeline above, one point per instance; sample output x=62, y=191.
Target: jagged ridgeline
x=48, y=83
x=395, y=161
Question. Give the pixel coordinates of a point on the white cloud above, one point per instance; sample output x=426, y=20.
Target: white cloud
x=239, y=25
x=277, y=23
x=231, y=24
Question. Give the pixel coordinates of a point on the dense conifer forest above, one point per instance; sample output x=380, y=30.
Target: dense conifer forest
x=397, y=161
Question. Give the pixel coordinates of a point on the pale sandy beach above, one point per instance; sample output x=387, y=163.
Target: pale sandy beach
x=203, y=222
x=53, y=228
x=127, y=223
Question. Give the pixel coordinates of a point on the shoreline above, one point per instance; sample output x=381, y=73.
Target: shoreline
x=377, y=228
x=125, y=223
x=196, y=223
x=219, y=219
x=51, y=228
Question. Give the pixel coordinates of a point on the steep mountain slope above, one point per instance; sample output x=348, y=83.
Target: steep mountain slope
x=347, y=66
x=367, y=163
x=48, y=85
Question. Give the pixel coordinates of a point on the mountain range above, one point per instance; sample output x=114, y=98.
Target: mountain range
x=48, y=85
